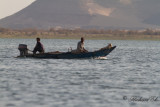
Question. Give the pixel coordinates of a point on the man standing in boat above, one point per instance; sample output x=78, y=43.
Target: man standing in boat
x=39, y=47
x=80, y=46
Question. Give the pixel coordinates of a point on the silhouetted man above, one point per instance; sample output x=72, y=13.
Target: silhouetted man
x=39, y=47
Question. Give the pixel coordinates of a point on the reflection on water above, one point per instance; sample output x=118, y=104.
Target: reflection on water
x=132, y=69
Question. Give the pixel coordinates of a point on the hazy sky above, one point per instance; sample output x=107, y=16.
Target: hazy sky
x=8, y=7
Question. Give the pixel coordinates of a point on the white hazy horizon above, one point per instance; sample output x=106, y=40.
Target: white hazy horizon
x=9, y=7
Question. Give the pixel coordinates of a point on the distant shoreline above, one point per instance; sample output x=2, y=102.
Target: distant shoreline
x=89, y=37
x=95, y=34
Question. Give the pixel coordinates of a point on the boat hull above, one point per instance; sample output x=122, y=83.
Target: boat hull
x=71, y=55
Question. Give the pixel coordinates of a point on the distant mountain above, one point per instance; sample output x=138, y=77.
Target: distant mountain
x=113, y=14
x=154, y=20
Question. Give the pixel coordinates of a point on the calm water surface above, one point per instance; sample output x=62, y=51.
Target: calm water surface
x=131, y=71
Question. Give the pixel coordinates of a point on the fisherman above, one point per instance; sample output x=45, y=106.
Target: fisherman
x=80, y=46
x=39, y=47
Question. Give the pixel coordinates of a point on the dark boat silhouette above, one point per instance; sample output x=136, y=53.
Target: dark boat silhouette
x=103, y=52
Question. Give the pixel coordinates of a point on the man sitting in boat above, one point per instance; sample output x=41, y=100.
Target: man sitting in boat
x=80, y=47
x=39, y=47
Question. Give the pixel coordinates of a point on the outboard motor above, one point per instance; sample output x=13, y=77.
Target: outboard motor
x=23, y=49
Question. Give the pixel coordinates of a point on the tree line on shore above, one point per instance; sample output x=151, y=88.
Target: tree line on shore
x=67, y=32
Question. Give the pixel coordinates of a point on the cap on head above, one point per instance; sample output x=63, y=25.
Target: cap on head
x=82, y=39
x=38, y=39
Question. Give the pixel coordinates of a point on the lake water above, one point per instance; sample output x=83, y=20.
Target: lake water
x=129, y=77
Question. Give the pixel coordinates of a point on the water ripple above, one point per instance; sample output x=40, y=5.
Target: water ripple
x=130, y=70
